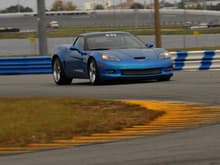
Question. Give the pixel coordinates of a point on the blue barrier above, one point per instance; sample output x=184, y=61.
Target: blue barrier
x=25, y=65
x=207, y=60
x=180, y=60
x=194, y=60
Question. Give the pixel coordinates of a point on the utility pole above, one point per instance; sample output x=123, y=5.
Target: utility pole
x=42, y=30
x=204, y=9
x=18, y=6
x=157, y=23
x=184, y=37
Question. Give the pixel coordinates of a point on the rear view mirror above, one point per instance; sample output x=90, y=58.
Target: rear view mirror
x=149, y=45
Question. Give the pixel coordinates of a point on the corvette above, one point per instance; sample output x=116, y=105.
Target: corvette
x=103, y=56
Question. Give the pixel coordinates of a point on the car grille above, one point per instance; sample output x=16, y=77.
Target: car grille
x=140, y=71
x=139, y=58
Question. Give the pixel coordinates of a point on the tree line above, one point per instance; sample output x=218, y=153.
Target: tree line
x=16, y=8
x=198, y=6
x=60, y=5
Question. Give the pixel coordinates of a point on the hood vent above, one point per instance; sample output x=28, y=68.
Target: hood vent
x=139, y=58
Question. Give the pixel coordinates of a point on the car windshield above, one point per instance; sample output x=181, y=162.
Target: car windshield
x=113, y=41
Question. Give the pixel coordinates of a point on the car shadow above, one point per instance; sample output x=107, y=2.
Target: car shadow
x=116, y=82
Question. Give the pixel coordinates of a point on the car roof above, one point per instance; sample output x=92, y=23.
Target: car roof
x=102, y=33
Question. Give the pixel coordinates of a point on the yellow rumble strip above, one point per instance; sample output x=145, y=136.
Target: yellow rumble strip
x=177, y=116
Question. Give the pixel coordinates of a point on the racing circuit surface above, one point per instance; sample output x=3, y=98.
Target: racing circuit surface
x=197, y=86
x=192, y=146
x=115, y=17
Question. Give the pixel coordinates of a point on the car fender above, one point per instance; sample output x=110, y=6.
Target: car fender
x=158, y=51
x=60, y=53
x=96, y=56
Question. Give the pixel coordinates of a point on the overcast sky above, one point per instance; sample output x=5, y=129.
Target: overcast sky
x=32, y=3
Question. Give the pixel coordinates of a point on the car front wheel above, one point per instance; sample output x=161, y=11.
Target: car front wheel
x=93, y=73
x=58, y=73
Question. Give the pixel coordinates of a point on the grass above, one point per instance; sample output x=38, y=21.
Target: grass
x=17, y=35
x=195, y=48
x=137, y=30
x=40, y=120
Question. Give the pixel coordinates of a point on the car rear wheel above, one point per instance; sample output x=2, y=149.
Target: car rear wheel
x=93, y=73
x=58, y=73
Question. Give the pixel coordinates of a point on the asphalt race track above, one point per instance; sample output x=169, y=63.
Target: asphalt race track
x=111, y=18
x=22, y=46
x=189, y=147
x=192, y=147
x=197, y=86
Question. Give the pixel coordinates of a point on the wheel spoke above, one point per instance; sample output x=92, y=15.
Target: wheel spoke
x=59, y=75
x=56, y=71
x=92, y=72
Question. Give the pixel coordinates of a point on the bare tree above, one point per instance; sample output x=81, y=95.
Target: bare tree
x=57, y=5
x=70, y=6
x=99, y=7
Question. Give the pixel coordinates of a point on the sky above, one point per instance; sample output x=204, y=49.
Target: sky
x=32, y=3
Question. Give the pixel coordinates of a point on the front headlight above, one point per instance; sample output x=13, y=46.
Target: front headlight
x=165, y=55
x=110, y=58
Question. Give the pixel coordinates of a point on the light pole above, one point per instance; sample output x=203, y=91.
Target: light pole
x=157, y=23
x=204, y=9
x=184, y=37
x=18, y=6
x=42, y=30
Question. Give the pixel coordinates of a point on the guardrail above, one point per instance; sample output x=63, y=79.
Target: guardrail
x=9, y=29
x=25, y=65
x=183, y=60
x=196, y=60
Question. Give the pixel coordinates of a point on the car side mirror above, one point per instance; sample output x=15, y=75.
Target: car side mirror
x=149, y=45
x=75, y=48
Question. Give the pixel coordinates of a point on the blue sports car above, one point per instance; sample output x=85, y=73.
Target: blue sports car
x=103, y=56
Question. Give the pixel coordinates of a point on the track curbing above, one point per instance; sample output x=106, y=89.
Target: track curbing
x=177, y=116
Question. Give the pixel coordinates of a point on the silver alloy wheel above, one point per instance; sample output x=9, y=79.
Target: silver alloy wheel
x=56, y=71
x=92, y=72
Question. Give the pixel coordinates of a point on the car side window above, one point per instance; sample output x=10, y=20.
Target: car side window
x=80, y=43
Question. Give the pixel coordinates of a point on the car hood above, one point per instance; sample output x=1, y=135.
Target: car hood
x=137, y=54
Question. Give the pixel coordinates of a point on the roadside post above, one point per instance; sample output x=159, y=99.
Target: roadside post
x=33, y=46
x=196, y=34
x=42, y=30
x=157, y=23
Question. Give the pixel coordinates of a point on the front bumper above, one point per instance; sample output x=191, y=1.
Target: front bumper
x=147, y=70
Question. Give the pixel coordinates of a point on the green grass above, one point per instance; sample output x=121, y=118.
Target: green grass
x=40, y=120
x=137, y=30
x=17, y=35
x=195, y=48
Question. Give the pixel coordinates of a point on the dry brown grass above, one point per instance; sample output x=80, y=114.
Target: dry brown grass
x=40, y=120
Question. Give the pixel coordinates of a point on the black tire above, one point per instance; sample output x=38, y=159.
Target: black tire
x=93, y=73
x=58, y=73
x=167, y=78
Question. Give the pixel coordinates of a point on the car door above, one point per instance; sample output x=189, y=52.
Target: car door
x=75, y=60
